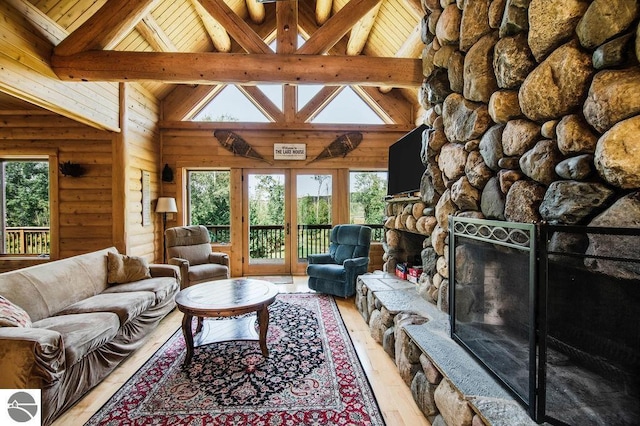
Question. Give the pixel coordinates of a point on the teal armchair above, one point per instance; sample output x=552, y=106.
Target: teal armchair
x=335, y=272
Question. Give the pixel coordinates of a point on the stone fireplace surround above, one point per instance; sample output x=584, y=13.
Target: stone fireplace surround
x=533, y=113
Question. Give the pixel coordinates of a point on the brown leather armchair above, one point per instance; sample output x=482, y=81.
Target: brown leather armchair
x=189, y=248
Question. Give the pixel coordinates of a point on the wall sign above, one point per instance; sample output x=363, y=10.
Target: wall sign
x=289, y=151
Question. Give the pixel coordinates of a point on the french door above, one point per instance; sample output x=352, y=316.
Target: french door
x=287, y=215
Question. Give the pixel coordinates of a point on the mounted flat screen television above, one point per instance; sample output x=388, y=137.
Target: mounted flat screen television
x=405, y=166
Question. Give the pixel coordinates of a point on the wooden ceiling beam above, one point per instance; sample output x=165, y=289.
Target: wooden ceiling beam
x=393, y=104
x=316, y=104
x=218, y=34
x=47, y=27
x=107, y=27
x=155, y=36
x=215, y=68
x=256, y=11
x=287, y=43
x=411, y=48
x=323, y=11
x=360, y=31
x=336, y=27
x=262, y=102
x=236, y=26
x=186, y=100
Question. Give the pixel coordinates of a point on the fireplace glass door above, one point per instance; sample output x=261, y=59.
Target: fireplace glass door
x=493, y=302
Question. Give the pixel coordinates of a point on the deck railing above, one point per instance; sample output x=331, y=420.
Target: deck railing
x=27, y=240
x=267, y=241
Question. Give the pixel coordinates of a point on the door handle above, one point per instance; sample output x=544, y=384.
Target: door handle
x=288, y=229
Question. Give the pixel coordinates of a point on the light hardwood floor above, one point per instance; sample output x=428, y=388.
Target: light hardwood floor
x=393, y=396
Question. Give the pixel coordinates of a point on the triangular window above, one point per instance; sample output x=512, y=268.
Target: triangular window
x=347, y=107
x=230, y=104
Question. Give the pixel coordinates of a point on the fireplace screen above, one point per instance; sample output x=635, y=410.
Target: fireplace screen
x=552, y=312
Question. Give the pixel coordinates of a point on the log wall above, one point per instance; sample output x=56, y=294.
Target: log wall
x=193, y=145
x=94, y=210
x=84, y=203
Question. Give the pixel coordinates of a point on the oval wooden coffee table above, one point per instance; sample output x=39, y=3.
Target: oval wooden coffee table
x=226, y=298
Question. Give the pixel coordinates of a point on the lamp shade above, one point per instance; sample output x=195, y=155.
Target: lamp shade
x=166, y=205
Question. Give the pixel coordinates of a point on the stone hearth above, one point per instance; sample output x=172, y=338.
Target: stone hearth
x=447, y=383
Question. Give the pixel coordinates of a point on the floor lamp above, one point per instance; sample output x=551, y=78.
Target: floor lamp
x=165, y=205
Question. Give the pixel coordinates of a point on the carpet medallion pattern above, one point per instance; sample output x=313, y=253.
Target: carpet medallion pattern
x=311, y=377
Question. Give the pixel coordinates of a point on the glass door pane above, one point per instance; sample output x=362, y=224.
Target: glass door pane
x=266, y=223
x=314, y=215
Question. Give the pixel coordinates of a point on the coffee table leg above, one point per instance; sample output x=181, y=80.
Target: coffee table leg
x=187, y=331
x=263, y=326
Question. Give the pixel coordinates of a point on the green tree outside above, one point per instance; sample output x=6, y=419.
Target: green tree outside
x=27, y=193
x=210, y=202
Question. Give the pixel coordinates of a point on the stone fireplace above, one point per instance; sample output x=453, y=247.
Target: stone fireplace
x=550, y=311
x=533, y=115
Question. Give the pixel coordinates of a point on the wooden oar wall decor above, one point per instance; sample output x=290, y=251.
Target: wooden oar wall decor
x=235, y=144
x=340, y=147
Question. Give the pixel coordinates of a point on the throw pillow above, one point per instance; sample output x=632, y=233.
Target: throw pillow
x=12, y=315
x=124, y=269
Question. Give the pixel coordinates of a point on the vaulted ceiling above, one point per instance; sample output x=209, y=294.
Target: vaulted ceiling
x=190, y=49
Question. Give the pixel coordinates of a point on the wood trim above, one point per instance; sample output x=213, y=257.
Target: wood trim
x=280, y=127
x=119, y=178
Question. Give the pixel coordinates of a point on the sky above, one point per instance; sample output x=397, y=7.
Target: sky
x=346, y=108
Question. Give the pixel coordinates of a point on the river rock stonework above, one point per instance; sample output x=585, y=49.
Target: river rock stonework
x=533, y=108
x=540, y=121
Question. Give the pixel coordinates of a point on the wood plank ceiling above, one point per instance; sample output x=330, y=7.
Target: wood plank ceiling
x=185, y=51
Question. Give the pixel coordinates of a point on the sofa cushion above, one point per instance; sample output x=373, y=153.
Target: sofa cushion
x=82, y=333
x=12, y=315
x=124, y=269
x=162, y=287
x=126, y=305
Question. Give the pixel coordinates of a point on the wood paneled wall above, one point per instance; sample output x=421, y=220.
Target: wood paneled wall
x=188, y=145
x=84, y=203
x=103, y=207
x=26, y=74
x=141, y=137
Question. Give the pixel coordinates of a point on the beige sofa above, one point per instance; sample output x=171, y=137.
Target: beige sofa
x=76, y=327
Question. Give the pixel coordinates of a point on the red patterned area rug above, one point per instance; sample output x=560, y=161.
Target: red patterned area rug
x=311, y=377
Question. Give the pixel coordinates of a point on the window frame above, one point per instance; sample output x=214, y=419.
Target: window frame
x=50, y=155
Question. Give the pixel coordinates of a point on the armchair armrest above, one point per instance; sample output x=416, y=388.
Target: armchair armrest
x=219, y=257
x=356, y=262
x=31, y=357
x=322, y=258
x=183, y=265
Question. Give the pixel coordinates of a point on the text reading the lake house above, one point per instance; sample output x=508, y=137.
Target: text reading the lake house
x=289, y=151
